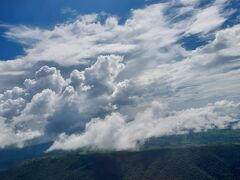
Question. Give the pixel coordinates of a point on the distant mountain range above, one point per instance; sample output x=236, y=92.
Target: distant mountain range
x=11, y=156
x=203, y=162
x=206, y=155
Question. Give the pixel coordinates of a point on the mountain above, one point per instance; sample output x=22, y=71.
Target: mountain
x=212, y=137
x=10, y=156
x=199, y=162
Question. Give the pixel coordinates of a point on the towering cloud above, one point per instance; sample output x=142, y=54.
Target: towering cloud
x=45, y=77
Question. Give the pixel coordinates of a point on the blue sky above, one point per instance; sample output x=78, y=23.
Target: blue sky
x=122, y=71
x=43, y=13
x=47, y=13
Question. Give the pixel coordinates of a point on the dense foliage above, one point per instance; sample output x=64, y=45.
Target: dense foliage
x=200, y=162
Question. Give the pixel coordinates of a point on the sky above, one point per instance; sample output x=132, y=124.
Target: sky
x=47, y=13
x=112, y=74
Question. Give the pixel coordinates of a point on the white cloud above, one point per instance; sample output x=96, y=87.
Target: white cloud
x=49, y=101
x=9, y=136
x=25, y=120
x=206, y=20
x=45, y=78
x=189, y=2
x=14, y=93
x=203, y=73
x=12, y=107
x=148, y=33
x=111, y=72
x=102, y=74
x=34, y=116
x=115, y=132
x=69, y=11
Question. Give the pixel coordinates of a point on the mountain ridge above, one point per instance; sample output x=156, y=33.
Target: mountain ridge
x=202, y=162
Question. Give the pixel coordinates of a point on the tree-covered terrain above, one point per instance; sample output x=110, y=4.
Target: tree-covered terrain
x=199, y=162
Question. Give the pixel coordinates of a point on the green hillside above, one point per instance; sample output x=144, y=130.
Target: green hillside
x=11, y=156
x=203, y=162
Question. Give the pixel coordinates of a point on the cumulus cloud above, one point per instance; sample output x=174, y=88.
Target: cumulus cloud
x=115, y=132
x=14, y=93
x=100, y=76
x=88, y=95
x=50, y=104
x=10, y=136
x=45, y=78
x=94, y=82
x=12, y=107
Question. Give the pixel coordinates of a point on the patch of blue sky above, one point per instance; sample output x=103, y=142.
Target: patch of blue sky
x=193, y=41
x=48, y=13
x=8, y=48
x=204, y=3
x=232, y=7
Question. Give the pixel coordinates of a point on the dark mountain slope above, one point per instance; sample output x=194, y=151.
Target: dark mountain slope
x=204, y=162
x=12, y=156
